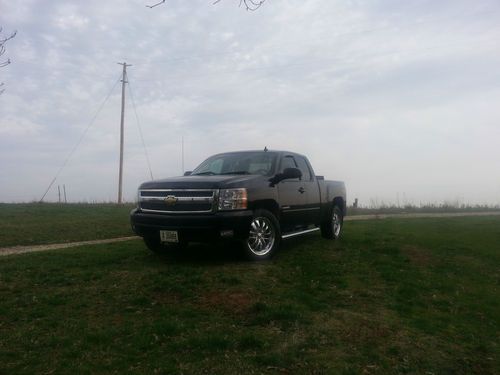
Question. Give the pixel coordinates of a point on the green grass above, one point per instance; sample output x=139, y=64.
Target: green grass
x=43, y=223
x=46, y=223
x=392, y=297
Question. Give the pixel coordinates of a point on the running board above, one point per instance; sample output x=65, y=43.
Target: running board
x=293, y=234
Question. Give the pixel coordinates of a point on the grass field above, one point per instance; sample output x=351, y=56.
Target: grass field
x=414, y=296
x=35, y=223
x=47, y=223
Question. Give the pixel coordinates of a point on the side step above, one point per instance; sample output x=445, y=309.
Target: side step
x=300, y=232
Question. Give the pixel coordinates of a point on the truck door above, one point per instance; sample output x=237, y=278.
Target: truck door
x=292, y=197
x=311, y=209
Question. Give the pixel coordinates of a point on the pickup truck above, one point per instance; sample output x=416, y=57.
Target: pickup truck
x=255, y=197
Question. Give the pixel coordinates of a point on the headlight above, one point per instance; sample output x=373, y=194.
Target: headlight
x=232, y=199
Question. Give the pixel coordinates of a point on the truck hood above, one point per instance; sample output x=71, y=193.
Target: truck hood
x=202, y=182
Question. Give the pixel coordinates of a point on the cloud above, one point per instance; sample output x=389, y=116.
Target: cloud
x=395, y=98
x=72, y=21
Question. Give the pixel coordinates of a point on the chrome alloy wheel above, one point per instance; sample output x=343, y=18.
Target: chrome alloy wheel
x=336, y=223
x=261, y=236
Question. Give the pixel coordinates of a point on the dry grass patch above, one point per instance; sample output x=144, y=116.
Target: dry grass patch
x=417, y=255
x=235, y=301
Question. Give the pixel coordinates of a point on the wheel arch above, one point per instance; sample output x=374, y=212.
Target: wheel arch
x=340, y=203
x=267, y=204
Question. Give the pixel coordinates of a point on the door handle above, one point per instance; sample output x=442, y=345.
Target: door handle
x=302, y=190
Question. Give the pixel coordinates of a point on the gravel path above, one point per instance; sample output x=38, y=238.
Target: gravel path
x=417, y=215
x=31, y=249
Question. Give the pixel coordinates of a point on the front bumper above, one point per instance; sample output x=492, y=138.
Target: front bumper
x=200, y=227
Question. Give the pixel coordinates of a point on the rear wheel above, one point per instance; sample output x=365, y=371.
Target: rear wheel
x=331, y=228
x=154, y=244
x=263, y=236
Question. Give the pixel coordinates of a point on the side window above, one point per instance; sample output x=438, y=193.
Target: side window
x=288, y=162
x=306, y=173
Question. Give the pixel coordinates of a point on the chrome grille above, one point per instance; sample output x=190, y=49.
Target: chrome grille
x=177, y=200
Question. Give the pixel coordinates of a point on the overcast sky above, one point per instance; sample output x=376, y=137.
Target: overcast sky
x=400, y=99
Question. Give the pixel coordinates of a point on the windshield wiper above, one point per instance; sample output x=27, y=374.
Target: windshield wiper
x=207, y=173
x=236, y=172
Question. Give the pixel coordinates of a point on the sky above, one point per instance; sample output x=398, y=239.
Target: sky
x=399, y=99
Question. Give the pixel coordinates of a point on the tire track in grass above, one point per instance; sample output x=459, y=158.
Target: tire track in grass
x=56, y=246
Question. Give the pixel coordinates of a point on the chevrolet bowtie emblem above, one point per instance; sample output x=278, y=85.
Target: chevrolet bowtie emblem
x=170, y=200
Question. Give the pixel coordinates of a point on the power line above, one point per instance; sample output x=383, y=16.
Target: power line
x=81, y=139
x=140, y=128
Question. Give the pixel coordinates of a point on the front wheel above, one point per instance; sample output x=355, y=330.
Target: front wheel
x=331, y=228
x=263, y=236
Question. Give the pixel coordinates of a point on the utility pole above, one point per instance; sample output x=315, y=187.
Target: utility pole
x=182, y=152
x=120, y=178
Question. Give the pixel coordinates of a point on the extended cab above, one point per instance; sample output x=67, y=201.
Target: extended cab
x=255, y=197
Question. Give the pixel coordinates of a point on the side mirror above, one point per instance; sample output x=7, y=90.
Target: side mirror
x=291, y=173
x=287, y=173
x=188, y=173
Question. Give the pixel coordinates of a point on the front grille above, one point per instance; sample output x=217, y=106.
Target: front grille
x=177, y=200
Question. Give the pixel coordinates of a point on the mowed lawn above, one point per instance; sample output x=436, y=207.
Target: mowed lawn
x=44, y=223
x=412, y=296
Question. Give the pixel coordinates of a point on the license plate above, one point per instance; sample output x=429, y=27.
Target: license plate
x=169, y=236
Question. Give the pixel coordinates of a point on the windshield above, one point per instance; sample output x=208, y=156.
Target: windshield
x=238, y=163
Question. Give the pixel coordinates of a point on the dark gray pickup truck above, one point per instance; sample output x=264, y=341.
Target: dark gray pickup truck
x=255, y=197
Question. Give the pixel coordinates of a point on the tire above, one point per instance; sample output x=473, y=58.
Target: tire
x=154, y=244
x=263, y=236
x=331, y=228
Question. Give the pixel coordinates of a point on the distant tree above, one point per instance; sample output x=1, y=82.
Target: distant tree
x=4, y=63
x=248, y=4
